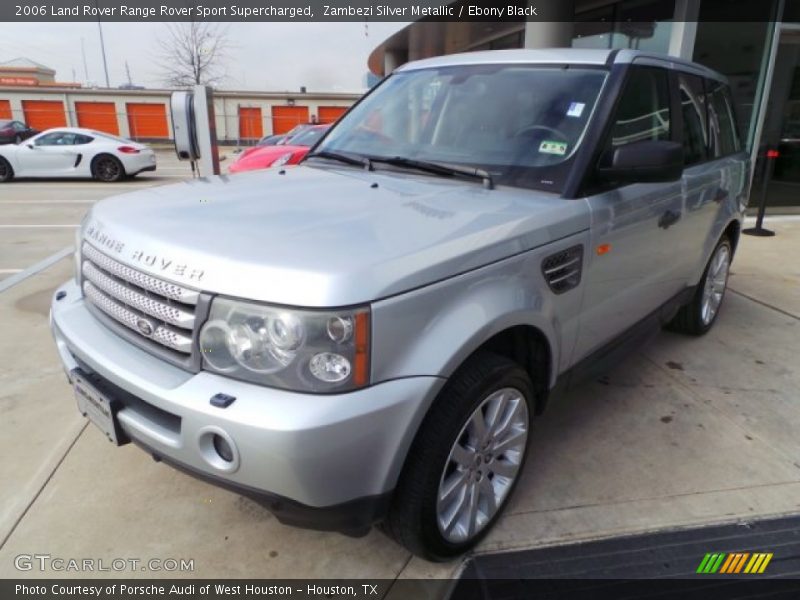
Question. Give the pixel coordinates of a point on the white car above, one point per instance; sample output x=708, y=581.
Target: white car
x=75, y=152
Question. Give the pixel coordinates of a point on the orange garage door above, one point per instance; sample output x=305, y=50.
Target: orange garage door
x=44, y=114
x=147, y=120
x=250, y=123
x=328, y=114
x=101, y=116
x=286, y=117
x=5, y=109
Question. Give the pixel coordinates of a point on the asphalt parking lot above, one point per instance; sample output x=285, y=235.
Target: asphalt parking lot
x=686, y=432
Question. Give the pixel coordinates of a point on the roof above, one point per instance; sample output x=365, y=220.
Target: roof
x=560, y=56
x=25, y=63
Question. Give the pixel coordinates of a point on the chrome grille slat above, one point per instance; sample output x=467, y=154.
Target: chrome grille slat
x=158, y=311
x=153, y=307
x=163, y=334
x=562, y=266
x=138, y=278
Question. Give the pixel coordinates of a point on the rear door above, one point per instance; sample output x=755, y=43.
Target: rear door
x=702, y=178
x=631, y=267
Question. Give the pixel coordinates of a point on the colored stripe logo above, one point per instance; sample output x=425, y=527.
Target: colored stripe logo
x=734, y=563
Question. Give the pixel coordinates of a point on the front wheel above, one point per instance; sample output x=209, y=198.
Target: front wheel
x=465, y=461
x=6, y=172
x=107, y=168
x=697, y=317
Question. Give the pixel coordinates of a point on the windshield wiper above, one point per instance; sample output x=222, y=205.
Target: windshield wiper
x=343, y=158
x=436, y=168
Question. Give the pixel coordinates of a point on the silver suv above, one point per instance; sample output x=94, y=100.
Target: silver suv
x=367, y=337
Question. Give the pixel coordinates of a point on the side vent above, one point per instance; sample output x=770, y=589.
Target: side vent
x=562, y=270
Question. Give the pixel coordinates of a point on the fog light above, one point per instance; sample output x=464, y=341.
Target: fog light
x=223, y=448
x=329, y=367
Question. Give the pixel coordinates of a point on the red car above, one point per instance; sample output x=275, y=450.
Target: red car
x=264, y=157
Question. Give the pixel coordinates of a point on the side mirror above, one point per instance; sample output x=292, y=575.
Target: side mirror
x=647, y=161
x=31, y=146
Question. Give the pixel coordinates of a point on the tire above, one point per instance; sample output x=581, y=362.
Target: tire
x=6, y=171
x=416, y=519
x=699, y=315
x=107, y=168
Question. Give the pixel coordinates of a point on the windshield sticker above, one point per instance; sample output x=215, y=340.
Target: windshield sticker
x=575, y=109
x=553, y=147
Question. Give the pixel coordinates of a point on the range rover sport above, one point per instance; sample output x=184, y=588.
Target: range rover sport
x=367, y=337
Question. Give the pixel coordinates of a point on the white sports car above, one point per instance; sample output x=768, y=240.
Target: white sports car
x=75, y=152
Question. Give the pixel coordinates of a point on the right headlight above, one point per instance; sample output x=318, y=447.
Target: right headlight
x=294, y=349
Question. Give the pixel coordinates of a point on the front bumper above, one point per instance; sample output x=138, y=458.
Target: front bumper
x=319, y=461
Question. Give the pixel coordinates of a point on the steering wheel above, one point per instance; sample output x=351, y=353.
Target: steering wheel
x=525, y=131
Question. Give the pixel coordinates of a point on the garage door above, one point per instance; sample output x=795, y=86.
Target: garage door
x=101, y=116
x=286, y=117
x=250, y=126
x=328, y=114
x=5, y=109
x=147, y=121
x=44, y=114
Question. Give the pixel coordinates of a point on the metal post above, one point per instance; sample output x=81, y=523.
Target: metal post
x=769, y=167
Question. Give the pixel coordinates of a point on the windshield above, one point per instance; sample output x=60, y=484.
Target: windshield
x=520, y=123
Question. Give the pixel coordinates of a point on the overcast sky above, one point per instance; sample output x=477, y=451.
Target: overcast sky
x=265, y=56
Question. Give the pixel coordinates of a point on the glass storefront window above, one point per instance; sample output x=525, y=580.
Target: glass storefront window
x=738, y=50
x=638, y=24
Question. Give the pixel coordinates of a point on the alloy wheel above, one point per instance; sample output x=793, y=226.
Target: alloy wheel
x=482, y=465
x=715, y=283
x=108, y=169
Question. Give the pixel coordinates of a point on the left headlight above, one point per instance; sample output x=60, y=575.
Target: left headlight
x=300, y=350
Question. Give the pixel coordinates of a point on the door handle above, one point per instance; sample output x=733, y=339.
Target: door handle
x=669, y=218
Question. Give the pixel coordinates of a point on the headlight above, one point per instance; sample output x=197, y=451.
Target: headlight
x=281, y=160
x=300, y=350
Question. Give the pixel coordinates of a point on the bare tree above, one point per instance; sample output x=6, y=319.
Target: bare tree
x=193, y=53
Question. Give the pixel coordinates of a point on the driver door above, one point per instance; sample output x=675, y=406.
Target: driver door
x=51, y=154
x=634, y=264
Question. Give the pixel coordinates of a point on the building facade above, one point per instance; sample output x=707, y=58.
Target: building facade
x=755, y=44
x=241, y=117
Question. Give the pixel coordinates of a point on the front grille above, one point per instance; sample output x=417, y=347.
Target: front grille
x=157, y=311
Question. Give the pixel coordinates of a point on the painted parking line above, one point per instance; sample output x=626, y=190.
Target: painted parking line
x=37, y=226
x=48, y=201
x=33, y=270
x=7, y=271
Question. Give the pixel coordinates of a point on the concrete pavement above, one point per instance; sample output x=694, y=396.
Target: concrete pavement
x=688, y=431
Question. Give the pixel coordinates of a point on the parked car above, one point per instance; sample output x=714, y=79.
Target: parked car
x=368, y=337
x=270, y=140
x=75, y=152
x=14, y=132
x=263, y=157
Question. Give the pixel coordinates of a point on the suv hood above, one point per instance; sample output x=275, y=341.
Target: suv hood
x=324, y=237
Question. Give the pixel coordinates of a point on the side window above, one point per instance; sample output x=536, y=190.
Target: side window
x=82, y=139
x=643, y=109
x=51, y=139
x=693, y=110
x=18, y=126
x=723, y=138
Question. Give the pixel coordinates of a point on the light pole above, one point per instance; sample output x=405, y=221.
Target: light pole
x=102, y=44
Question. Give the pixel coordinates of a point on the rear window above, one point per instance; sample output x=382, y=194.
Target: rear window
x=723, y=135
